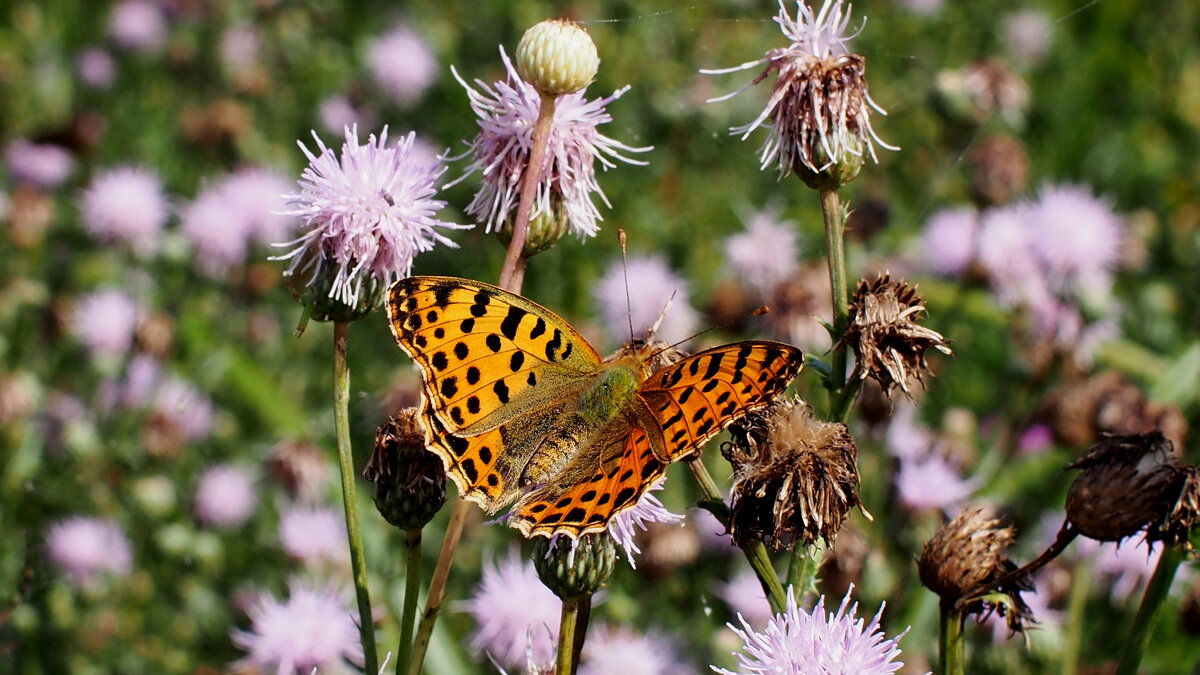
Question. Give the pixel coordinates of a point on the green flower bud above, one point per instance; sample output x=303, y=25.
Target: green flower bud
x=575, y=571
x=545, y=229
x=557, y=57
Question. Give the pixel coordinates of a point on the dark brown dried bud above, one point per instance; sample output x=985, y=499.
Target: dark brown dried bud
x=155, y=334
x=889, y=345
x=1082, y=412
x=868, y=218
x=999, y=170
x=968, y=553
x=795, y=477
x=30, y=214
x=1184, y=516
x=843, y=564
x=575, y=568
x=161, y=435
x=1128, y=484
x=301, y=469
x=222, y=122
x=410, y=481
x=981, y=91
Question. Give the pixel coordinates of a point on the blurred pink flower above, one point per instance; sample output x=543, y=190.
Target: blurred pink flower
x=257, y=198
x=1006, y=253
x=1128, y=564
x=923, y=7
x=84, y=548
x=142, y=375
x=799, y=641
x=367, y=214
x=312, y=631
x=104, y=322
x=138, y=25
x=651, y=286
x=948, y=242
x=765, y=255
x=125, y=205
x=95, y=67
x=744, y=595
x=313, y=534
x=402, y=64
x=216, y=232
x=239, y=48
x=625, y=526
x=1028, y=33
x=906, y=438
x=337, y=114
x=618, y=650
x=508, y=111
x=186, y=406
x=931, y=483
x=225, y=496
x=714, y=536
x=514, y=612
x=1035, y=440
x=1076, y=236
x=43, y=165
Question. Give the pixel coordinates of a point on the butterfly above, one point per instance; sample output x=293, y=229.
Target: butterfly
x=521, y=408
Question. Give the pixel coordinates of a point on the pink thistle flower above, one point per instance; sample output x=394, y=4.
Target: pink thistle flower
x=95, y=67
x=40, y=164
x=514, y=612
x=225, y=496
x=337, y=114
x=186, y=407
x=765, y=255
x=1035, y=440
x=745, y=597
x=216, y=232
x=1006, y=253
x=313, y=630
x=618, y=650
x=714, y=536
x=239, y=48
x=86, y=548
x=1076, y=236
x=931, y=483
x=799, y=641
x=625, y=526
x=104, y=322
x=367, y=214
x=507, y=113
x=138, y=25
x=312, y=534
x=257, y=197
x=402, y=64
x=813, y=123
x=1028, y=33
x=142, y=376
x=127, y=206
x=651, y=286
x=948, y=242
x=923, y=7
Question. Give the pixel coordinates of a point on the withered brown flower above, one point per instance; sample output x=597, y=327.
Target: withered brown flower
x=1084, y=411
x=300, y=468
x=999, y=170
x=795, y=477
x=410, y=481
x=889, y=345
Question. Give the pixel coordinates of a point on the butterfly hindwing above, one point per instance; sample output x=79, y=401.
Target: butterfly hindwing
x=695, y=398
x=480, y=347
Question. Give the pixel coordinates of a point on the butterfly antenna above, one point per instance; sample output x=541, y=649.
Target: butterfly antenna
x=653, y=330
x=625, y=271
x=758, y=312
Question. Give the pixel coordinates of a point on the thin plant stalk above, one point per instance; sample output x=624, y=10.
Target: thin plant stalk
x=567, y=662
x=1152, y=600
x=841, y=392
x=802, y=569
x=511, y=276
x=1081, y=583
x=755, y=551
x=412, y=588
x=951, y=653
x=581, y=625
x=358, y=562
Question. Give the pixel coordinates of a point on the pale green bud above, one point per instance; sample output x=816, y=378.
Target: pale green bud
x=557, y=57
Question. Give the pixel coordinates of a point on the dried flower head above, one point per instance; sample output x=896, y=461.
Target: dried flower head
x=999, y=170
x=1084, y=411
x=557, y=57
x=367, y=215
x=982, y=90
x=819, y=110
x=410, y=481
x=667, y=546
x=796, y=305
x=1130, y=484
x=500, y=153
x=889, y=345
x=795, y=477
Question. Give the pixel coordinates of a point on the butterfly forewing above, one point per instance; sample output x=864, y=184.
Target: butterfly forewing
x=694, y=399
x=480, y=348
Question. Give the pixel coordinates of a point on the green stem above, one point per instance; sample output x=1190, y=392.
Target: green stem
x=1152, y=600
x=581, y=625
x=755, y=551
x=412, y=588
x=358, y=562
x=841, y=392
x=566, y=637
x=437, y=585
x=1081, y=583
x=950, y=641
x=802, y=569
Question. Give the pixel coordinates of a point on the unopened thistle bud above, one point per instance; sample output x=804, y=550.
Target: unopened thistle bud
x=545, y=228
x=795, y=477
x=323, y=305
x=575, y=569
x=557, y=57
x=410, y=481
x=889, y=345
x=1129, y=484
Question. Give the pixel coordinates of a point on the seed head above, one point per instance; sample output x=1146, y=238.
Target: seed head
x=557, y=57
x=410, y=481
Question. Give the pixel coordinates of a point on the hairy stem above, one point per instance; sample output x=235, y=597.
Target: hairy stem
x=358, y=562
x=566, y=637
x=1152, y=600
x=412, y=588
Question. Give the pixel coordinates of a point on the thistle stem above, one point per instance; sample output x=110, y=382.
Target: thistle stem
x=841, y=392
x=412, y=588
x=437, y=585
x=755, y=551
x=567, y=662
x=1081, y=583
x=802, y=569
x=950, y=641
x=358, y=563
x=1152, y=600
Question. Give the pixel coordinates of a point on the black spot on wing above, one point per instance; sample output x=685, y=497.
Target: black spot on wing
x=472, y=375
x=538, y=329
x=441, y=296
x=461, y=351
x=517, y=360
x=512, y=321
x=493, y=342
x=714, y=365
x=501, y=391
x=467, y=325
x=449, y=387
x=439, y=361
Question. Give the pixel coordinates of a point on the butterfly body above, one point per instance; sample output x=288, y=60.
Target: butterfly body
x=522, y=409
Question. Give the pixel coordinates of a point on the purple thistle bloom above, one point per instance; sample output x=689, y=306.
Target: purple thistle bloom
x=104, y=322
x=651, y=286
x=216, y=232
x=85, y=548
x=948, y=241
x=187, y=407
x=763, y=256
x=225, y=496
x=618, y=650
x=930, y=483
x=239, y=48
x=745, y=597
x=1006, y=252
x=142, y=376
x=507, y=113
x=125, y=205
x=1035, y=440
x=337, y=114
x=257, y=197
x=368, y=213
x=402, y=64
x=800, y=642
x=514, y=613
x=1076, y=236
x=95, y=67
x=1028, y=33
x=41, y=164
x=138, y=25
x=314, y=629
x=313, y=534
x=625, y=525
